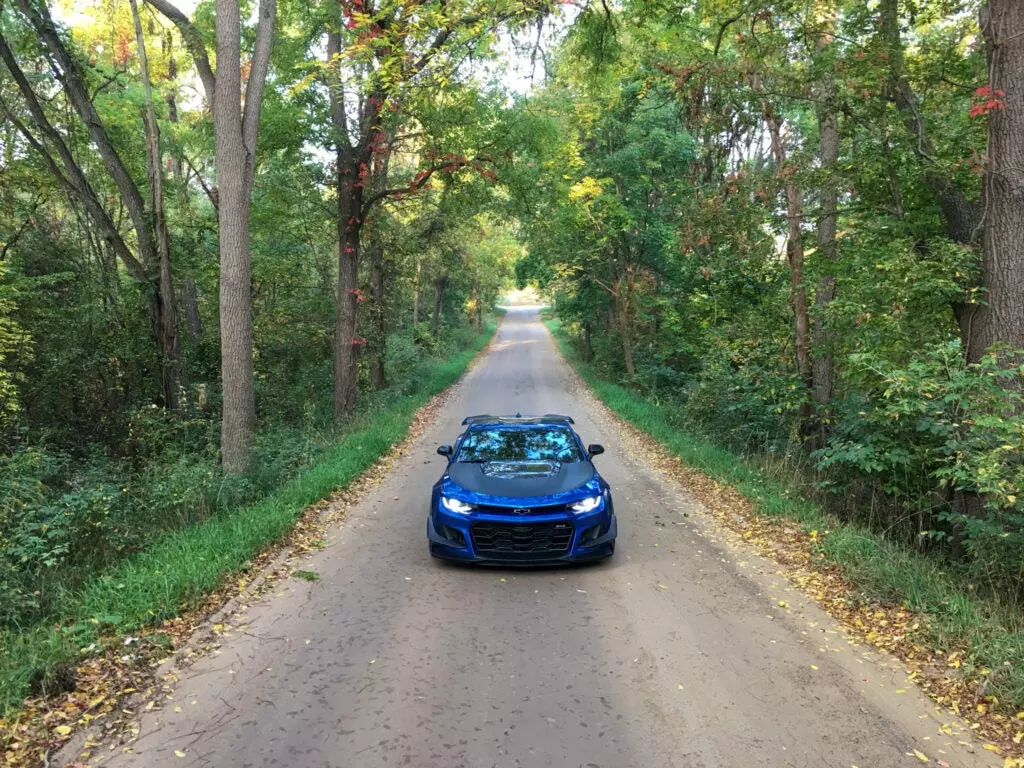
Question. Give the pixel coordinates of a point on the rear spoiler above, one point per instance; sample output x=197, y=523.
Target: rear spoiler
x=486, y=418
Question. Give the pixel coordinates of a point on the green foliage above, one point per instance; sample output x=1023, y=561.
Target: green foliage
x=933, y=430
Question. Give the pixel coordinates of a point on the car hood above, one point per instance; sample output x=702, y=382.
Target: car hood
x=521, y=479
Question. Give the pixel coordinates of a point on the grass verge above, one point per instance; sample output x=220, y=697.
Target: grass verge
x=178, y=570
x=972, y=638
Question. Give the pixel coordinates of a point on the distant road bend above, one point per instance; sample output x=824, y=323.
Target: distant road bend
x=670, y=655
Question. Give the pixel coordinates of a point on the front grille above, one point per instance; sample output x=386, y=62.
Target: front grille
x=550, y=509
x=521, y=541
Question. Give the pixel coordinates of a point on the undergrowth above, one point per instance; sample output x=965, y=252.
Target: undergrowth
x=179, y=565
x=990, y=630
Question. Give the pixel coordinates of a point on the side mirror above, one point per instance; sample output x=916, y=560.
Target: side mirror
x=594, y=449
x=444, y=450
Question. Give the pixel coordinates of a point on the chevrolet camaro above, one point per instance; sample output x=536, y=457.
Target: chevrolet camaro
x=521, y=490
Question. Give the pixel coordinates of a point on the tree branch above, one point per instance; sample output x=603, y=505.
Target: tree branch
x=211, y=193
x=260, y=64
x=75, y=182
x=196, y=44
x=416, y=185
x=68, y=72
x=14, y=238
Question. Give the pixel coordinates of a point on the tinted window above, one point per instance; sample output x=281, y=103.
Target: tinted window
x=519, y=443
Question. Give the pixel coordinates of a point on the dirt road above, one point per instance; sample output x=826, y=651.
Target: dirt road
x=675, y=653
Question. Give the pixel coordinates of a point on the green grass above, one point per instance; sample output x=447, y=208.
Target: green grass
x=179, y=569
x=882, y=569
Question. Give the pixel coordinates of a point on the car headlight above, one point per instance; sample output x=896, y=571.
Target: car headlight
x=588, y=504
x=457, y=506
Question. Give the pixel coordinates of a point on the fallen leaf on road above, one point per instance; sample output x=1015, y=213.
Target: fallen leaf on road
x=178, y=753
x=920, y=756
x=63, y=730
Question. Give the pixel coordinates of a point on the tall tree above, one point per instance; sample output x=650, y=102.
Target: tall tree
x=381, y=61
x=235, y=133
x=822, y=372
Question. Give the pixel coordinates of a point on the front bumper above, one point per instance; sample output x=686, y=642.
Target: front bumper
x=532, y=539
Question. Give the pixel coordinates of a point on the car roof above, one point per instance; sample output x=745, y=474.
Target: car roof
x=517, y=420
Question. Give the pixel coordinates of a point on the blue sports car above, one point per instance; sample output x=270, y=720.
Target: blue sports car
x=520, y=490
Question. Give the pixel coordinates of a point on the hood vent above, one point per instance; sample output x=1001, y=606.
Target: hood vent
x=509, y=470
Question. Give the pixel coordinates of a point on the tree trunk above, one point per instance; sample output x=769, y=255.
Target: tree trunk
x=378, y=314
x=190, y=302
x=177, y=171
x=961, y=216
x=166, y=311
x=235, y=133
x=627, y=342
x=794, y=250
x=440, y=284
x=588, y=347
x=822, y=338
x=346, y=343
x=1001, y=319
x=236, y=340
x=378, y=310
x=624, y=305
x=355, y=173
x=416, y=295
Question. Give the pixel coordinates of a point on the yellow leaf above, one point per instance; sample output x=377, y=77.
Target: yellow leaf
x=178, y=753
x=813, y=667
x=920, y=756
x=63, y=730
x=992, y=748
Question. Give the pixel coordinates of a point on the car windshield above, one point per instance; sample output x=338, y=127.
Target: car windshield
x=519, y=444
